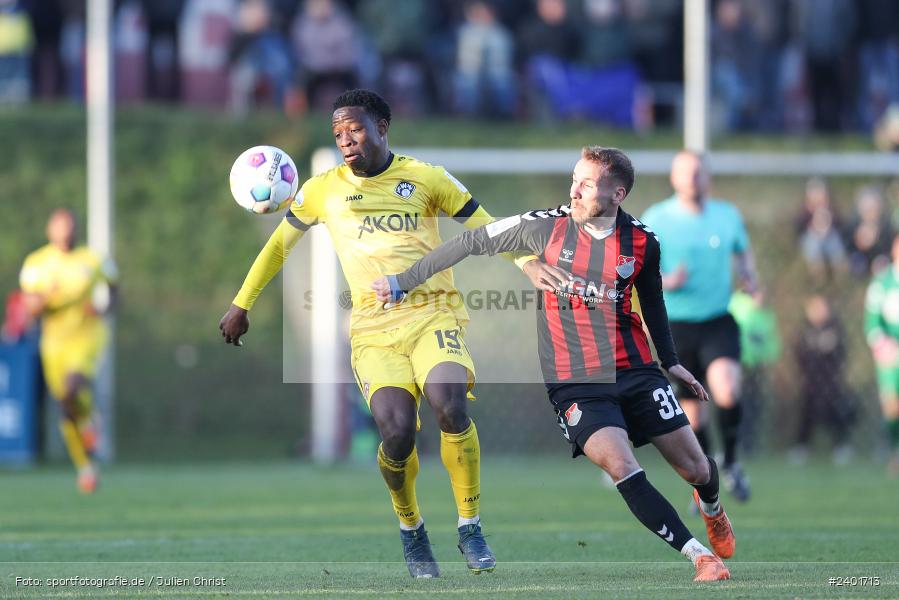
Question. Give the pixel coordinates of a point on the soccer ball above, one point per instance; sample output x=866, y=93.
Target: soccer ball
x=264, y=179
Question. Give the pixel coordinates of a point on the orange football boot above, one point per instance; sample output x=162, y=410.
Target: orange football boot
x=88, y=480
x=710, y=568
x=719, y=530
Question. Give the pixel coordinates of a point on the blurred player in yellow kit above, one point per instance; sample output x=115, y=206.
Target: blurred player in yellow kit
x=64, y=286
x=381, y=209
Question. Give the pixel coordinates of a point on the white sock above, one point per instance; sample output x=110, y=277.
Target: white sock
x=405, y=527
x=710, y=510
x=466, y=521
x=693, y=550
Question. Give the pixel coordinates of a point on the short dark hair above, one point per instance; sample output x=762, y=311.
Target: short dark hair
x=376, y=107
x=617, y=164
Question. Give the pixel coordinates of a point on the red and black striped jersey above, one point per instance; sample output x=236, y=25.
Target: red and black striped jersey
x=587, y=330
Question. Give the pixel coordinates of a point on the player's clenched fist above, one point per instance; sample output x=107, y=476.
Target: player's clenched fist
x=388, y=291
x=234, y=324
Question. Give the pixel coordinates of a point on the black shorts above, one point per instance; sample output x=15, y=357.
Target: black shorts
x=699, y=343
x=641, y=401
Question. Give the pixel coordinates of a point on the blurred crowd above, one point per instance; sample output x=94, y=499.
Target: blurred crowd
x=835, y=247
x=831, y=243
x=785, y=65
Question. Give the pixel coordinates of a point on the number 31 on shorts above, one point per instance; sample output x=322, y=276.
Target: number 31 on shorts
x=669, y=405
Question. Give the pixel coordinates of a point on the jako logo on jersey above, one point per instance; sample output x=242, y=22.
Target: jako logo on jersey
x=353, y=198
x=404, y=189
x=625, y=266
x=387, y=223
x=566, y=255
x=573, y=415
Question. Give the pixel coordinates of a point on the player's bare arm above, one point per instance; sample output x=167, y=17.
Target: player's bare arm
x=543, y=277
x=744, y=264
x=512, y=234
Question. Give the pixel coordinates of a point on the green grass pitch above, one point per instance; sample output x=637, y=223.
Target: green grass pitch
x=292, y=530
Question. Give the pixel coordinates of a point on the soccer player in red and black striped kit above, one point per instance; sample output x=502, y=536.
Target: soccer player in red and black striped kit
x=596, y=360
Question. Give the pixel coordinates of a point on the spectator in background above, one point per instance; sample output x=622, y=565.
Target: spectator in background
x=72, y=48
x=606, y=35
x=16, y=42
x=769, y=20
x=817, y=227
x=878, y=59
x=886, y=130
x=550, y=32
x=601, y=82
x=657, y=39
x=326, y=42
x=735, y=66
x=892, y=197
x=882, y=334
x=548, y=42
x=760, y=348
x=400, y=31
x=820, y=354
x=870, y=234
x=262, y=65
x=485, y=76
x=163, y=17
x=204, y=40
x=46, y=65
x=129, y=34
x=826, y=33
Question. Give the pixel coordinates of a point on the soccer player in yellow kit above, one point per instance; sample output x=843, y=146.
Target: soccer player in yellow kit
x=381, y=210
x=63, y=285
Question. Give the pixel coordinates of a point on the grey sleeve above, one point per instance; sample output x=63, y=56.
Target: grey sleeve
x=505, y=235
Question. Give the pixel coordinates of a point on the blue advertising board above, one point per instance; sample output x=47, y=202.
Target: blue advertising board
x=19, y=396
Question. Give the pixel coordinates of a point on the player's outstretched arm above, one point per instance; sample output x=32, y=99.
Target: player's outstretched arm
x=269, y=261
x=543, y=276
x=506, y=235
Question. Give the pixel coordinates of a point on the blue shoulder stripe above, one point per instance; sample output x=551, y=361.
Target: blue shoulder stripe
x=466, y=211
x=295, y=221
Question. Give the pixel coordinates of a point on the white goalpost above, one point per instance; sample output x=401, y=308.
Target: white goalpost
x=100, y=103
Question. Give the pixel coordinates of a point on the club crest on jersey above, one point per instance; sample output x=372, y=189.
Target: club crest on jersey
x=404, y=189
x=625, y=266
x=573, y=415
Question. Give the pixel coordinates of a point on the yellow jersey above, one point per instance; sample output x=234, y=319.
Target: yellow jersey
x=379, y=224
x=67, y=280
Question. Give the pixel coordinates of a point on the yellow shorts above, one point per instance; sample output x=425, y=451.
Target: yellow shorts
x=80, y=355
x=404, y=356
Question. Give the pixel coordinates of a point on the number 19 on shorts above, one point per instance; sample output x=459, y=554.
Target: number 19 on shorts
x=669, y=405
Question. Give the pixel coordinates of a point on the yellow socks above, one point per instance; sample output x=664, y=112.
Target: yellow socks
x=461, y=454
x=399, y=475
x=72, y=438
